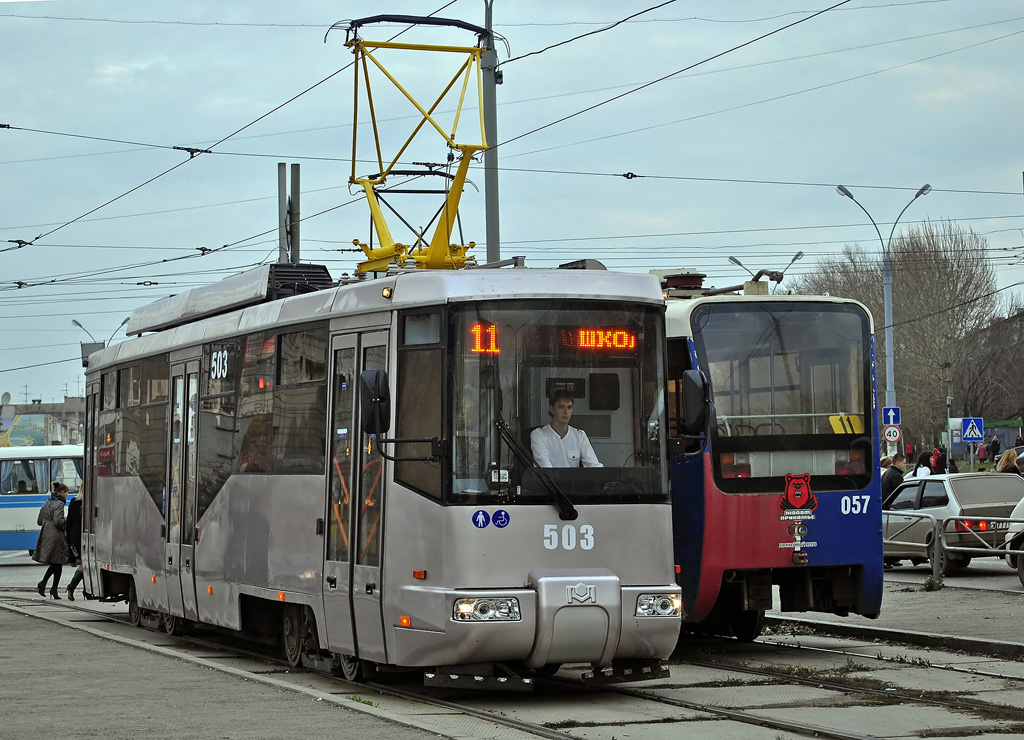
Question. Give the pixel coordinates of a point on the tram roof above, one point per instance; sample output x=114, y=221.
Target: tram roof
x=407, y=289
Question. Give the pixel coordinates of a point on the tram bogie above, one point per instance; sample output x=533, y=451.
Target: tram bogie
x=351, y=473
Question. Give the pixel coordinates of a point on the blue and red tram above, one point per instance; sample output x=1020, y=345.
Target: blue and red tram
x=775, y=480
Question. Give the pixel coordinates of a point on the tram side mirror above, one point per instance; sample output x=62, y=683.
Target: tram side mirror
x=695, y=400
x=375, y=402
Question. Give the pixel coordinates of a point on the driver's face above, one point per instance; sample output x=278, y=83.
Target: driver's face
x=561, y=411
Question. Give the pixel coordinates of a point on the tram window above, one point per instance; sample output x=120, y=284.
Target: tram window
x=131, y=386
x=216, y=459
x=419, y=415
x=154, y=380
x=152, y=443
x=109, y=390
x=300, y=420
x=253, y=439
x=303, y=356
x=424, y=328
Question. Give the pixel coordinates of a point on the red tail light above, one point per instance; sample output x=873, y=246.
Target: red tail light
x=968, y=525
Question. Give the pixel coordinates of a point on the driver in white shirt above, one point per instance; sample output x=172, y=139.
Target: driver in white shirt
x=558, y=445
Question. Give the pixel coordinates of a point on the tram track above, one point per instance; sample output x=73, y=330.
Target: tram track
x=570, y=690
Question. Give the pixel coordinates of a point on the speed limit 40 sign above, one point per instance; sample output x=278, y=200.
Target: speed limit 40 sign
x=892, y=433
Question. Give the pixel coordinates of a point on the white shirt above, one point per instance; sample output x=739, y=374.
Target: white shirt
x=551, y=450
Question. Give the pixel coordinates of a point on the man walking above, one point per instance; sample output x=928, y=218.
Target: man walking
x=893, y=476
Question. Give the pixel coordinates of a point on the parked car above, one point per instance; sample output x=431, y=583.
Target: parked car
x=1018, y=450
x=977, y=497
x=1014, y=539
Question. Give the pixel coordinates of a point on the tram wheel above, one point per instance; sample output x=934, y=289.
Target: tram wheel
x=134, y=612
x=747, y=624
x=291, y=634
x=353, y=669
x=171, y=624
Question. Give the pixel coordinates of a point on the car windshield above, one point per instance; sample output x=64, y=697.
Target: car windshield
x=992, y=488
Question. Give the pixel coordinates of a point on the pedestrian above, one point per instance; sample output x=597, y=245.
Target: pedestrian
x=933, y=461
x=941, y=463
x=923, y=468
x=52, y=546
x=993, y=448
x=982, y=452
x=73, y=529
x=893, y=476
x=885, y=462
x=1008, y=463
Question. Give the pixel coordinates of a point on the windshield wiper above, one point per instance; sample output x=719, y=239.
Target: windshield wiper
x=566, y=510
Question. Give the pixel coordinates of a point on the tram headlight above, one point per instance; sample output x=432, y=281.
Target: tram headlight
x=487, y=610
x=658, y=605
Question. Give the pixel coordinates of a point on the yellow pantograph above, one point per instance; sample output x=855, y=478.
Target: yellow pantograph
x=439, y=252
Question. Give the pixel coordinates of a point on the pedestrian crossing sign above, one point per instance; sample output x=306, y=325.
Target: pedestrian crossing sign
x=973, y=429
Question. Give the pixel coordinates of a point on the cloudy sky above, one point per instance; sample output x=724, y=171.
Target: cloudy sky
x=737, y=151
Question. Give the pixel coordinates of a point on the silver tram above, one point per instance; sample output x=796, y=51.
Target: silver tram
x=347, y=471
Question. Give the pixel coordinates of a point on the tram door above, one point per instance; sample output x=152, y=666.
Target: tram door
x=181, y=492
x=352, y=600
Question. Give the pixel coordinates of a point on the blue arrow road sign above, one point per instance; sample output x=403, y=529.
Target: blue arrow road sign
x=891, y=415
x=973, y=430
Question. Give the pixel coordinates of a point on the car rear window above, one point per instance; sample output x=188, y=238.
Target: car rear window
x=994, y=488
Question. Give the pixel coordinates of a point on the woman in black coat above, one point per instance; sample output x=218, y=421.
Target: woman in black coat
x=73, y=527
x=52, y=546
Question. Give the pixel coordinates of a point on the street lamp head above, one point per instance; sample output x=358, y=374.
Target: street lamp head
x=75, y=322
x=740, y=264
x=843, y=191
x=925, y=189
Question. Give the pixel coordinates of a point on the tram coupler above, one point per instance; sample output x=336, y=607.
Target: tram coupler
x=627, y=670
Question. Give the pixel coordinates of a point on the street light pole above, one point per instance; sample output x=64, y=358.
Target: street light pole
x=890, y=386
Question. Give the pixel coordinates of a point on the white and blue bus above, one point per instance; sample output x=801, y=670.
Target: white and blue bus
x=27, y=475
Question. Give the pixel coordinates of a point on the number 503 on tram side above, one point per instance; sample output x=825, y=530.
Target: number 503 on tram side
x=444, y=470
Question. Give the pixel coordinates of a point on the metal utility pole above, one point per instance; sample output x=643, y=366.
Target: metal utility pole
x=491, y=78
x=293, y=217
x=282, y=213
x=287, y=215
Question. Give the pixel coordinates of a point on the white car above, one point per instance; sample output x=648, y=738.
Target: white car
x=1014, y=540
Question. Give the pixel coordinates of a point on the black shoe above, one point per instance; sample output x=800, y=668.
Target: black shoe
x=71, y=594
x=54, y=594
x=41, y=588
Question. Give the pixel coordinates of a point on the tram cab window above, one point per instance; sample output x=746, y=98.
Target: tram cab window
x=420, y=379
x=508, y=361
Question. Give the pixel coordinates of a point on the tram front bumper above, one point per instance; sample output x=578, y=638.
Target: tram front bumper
x=563, y=616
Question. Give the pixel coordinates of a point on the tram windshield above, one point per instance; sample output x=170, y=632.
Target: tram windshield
x=576, y=391
x=792, y=390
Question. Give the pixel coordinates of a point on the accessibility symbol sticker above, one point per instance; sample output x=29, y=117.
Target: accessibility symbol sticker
x=481, y=519
x=501, y=519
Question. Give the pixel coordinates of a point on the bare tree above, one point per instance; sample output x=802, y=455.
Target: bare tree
x=944, y=300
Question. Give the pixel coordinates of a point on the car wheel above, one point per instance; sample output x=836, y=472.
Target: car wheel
x=962, y=563
x=1020, y=570
x=946, y=564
